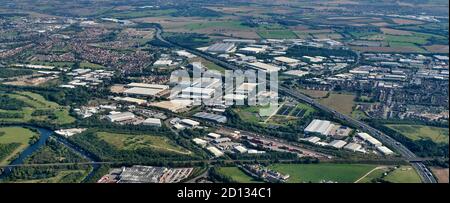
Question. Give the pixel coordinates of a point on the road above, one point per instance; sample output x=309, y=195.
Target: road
x=422, y=170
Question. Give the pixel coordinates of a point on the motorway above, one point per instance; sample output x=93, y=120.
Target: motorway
x=422, y=170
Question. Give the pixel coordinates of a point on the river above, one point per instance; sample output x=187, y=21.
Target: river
x=45, y=134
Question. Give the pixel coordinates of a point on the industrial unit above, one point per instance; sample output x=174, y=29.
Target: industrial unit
x=152, y=122
x=211, y=117
x=221, y=48
x=119, y=117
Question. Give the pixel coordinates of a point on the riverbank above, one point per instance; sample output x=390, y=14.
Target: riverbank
x=44, y=135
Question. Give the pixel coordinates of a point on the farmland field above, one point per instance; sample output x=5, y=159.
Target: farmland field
x=343, y=173
x=437, y=48
x=132, y=142
x=417, y=132
x=219, y=24
x=315, y=94
x=11, y=135
x=141, y=13
x=342, y=103
x=237, y=175
x=441, y=174
x=277, y=34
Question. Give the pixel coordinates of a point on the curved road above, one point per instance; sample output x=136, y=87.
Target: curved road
x=422, y=170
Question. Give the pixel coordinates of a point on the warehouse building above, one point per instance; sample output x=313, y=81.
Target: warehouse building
x=316, y=59
x=264, y=67
x=202, y=143
x=337, y=144
x=174, y=105
x=384, y=150
x=186, y=54
x=216, y=152
x=355, y=147
x=222, y=48
x=231, y=98
x=242, y=41
x=313, y=139
x=246, y=88
x=211, y=117
x=197, y=93
x=130, y=100
x=252, y=50
x=190, y=123
x=319, y=126
x=240, y=149
x=222, y=140
x=151, y=86
x=163, y=62
x=143, y=91
x=366, y=137
x=214, y=135
x=287, y=61
x=119, y=117
x=208, y=83
x=298, y=73
x=152, y=122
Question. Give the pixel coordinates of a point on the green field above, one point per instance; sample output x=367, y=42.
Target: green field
x=9, y=135
x=250, y=114
x=141, y=13
x=375, y=174
x=133, y=142
x=415, y=39
x=237, y=175
x=417, y=132
x=54, y=113
x=342, y=173
x=209, y=65
x=342, y=103
x=213, y=66
x=276, y=34
x=403, y=174
x=235, y=25
x=357, y=114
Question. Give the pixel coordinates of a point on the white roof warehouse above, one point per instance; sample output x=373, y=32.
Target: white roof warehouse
x=318, y=126
x=143, y=91
x=211, y=117
x=221, y=48
x=121, y=117
x=264, y=67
